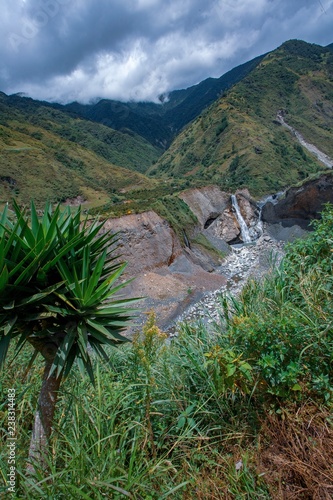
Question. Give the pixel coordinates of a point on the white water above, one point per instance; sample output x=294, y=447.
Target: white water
x=271, y=198
x=245, y=234
x=324, y=158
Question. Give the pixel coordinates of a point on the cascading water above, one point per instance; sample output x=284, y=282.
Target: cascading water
x=272, y=198
x=256, y=229
x=245, y=234
x=324, y=158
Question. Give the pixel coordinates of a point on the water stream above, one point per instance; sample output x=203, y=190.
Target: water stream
x=324, y=158
x=245, y=234
x=245, y=261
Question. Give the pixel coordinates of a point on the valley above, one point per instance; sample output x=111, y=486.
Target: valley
x=218, y=254
x=222, y=131
x=186, y=276
x=259, y=129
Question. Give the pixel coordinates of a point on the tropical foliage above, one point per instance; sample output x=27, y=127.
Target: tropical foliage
x=56, y=276
x=57, y=288
x=239, y=409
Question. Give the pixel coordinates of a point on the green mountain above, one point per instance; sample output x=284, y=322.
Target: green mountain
x=46, y=154
x=56, y=152
x=238, y=142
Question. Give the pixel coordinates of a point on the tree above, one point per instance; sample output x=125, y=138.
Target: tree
x=57, y=293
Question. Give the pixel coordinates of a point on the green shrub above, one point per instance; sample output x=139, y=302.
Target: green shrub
x=57, y=287
x=168, y=419
x=283, y=325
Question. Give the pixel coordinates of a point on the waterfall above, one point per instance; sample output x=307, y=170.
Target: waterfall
x=256, y=229
x=243, y=227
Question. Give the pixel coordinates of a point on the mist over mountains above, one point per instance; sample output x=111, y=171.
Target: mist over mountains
x=160, y=123
x=222, y=131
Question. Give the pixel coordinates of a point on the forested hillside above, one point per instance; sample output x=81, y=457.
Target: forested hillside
x=235, y=400
x=160, y=122
x=238, y=141
x=56, y=152
x=46, y=154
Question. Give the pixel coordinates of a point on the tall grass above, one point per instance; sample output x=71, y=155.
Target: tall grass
x=218, y=413
x=154, y=421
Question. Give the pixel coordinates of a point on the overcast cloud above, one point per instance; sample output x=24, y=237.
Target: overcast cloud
x=66, y=50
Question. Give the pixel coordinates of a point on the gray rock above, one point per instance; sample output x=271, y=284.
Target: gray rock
x=206, y=203
x=301, y=204
x=286, y=234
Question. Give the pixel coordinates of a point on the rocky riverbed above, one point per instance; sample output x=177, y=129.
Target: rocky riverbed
x=184, y=280
x=245, y=262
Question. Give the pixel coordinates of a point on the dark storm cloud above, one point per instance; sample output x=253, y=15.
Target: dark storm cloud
x=137, y=49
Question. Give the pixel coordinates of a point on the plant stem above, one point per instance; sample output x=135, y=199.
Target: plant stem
x=149, y=424
x=39, y=444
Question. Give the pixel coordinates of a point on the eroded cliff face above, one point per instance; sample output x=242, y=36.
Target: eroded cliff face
x=207, y=203
x=167, y=276
x=301, y=204
x=171, y=277
x=216, y=216
x=146, y=241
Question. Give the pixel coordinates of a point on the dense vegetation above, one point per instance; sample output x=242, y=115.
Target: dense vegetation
x=238, y=141
x=59, y=153
x=57, y=287
x=54, y=152
x=239, y=410
x=162, y=199
x=47, y=155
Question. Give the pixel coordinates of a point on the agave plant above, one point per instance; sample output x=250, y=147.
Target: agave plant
x=58, y=293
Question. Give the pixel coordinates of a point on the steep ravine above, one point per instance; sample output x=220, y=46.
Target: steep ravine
x=167, y=276
x=178, y=282
x=245, y=262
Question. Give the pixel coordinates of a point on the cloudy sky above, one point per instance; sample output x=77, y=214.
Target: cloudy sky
x=65, y=50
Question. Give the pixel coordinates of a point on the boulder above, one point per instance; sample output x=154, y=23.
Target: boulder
x=287, y=234
x=247, y=206
x=225, y=226
x=301, y=204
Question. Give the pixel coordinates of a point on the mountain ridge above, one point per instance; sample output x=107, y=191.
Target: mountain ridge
x=237, y=141
x=46, y=154
x=158, y=123
x=234, y=142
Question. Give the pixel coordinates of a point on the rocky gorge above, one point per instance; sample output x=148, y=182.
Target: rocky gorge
x=179, y=279
x=245, y=262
